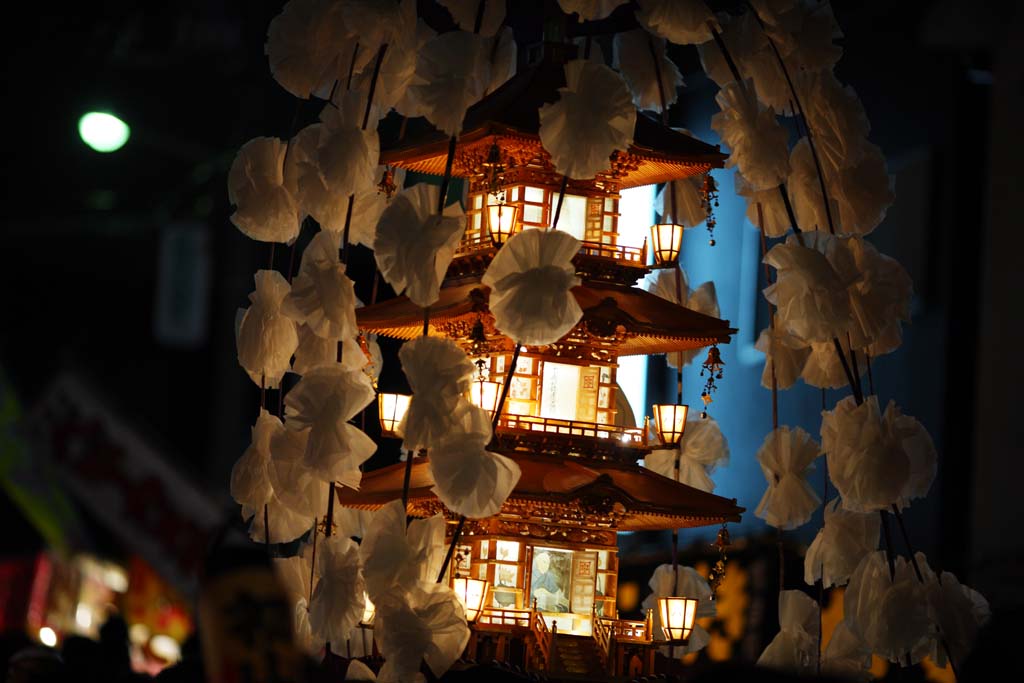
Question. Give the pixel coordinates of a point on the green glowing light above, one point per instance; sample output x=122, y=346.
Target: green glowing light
x=103, y=132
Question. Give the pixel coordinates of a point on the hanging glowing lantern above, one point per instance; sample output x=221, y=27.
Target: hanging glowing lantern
x=677, y=617
x=484, y=394
x=470, y=593
x=502, y=219
x=391, y=410
x=368, y=611
x=666, y=242
x=670, y=422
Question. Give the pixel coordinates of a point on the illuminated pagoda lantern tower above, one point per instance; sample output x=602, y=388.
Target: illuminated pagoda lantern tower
x=549, y=557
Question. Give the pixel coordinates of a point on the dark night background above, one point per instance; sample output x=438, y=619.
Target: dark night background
x=89, y=255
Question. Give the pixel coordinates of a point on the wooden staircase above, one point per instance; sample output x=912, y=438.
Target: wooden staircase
x=576, y=657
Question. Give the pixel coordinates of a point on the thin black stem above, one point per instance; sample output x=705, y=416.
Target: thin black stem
x=373, y=84
x=442, y=198
x=853, y=362
x=661, y=86
x=558, y=205
x=351, y=67
x=406, y=480
x=451, y=548
x=854, y=387
x=725, y=53
x=345, y=230
x=871, y=380
x=479, y=19
x=426, y=321
x=329, y=521
x=266, y=526
x=800, y=111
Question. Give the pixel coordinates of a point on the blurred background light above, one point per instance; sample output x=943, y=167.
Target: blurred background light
x=103, y=132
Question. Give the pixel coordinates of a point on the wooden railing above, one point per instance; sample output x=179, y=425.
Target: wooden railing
x=615, y=252
x=629, y=436
x=482, y=243
x=505, y=617
x=625, y=629
x=543, y=637
x=602, y=636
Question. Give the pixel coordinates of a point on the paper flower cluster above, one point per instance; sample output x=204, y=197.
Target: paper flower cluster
x=265, y=208
x=439, y=373
x=414, y=245
x=842, y=542
x=685, y=582
x=795, y=648
x=756, y=141
x=593, y=117
x=786, y=457
x=683, y=22
x=689, y=201
x=531, y=279
x=652, y=77
x=266, y=337
x=876, y=460
x=701, y=451
x=322, y=296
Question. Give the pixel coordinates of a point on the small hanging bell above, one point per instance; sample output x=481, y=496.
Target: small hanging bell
x=387, y=185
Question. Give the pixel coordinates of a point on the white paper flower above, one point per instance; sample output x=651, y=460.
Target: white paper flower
x=592, y=118
x=868, y=469
x=686, y=583
x=357, y=671
x=804, y=188
x=959, y=612
x=452, y=74
x=266, y=336
x=753, y=57
x=265, y=209
x=701, y=451
x=632, y=56
x=250, y=483
x=322, y=296
x=795, y=648
x=305, y=43
x=295, y=574
x=313, y=351
x=785, y=356
x=295, y=484
x=406, y=34
x=890, y=616
x=323, y=402
x=376, y=22
x=917, y=444
x=396, y=557
x=684, y=22
x=835, y=117
x=346, y=155
x=414, y=245
x=703, y=299
x=531, y=279
x=773, y=218
x=814, y=272
x=286, y=524
x=464, y=12
x=468, y=479
x=502, y=55
x=863, y=192
x=439, y=374
x=689, y=201
x=786, y=457
x=839, y=546
x=757, y=144
x=339, y=596
x=846, y=656
x=880, y=297
x=427, y=623
x=589, y=10
x=823, y=368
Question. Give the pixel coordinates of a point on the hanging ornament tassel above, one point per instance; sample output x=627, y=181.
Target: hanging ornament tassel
x=709, y=199
x=722, y=543
x=712, y=366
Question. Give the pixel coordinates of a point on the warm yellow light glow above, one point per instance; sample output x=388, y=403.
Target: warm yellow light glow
x=502, y=220
x=484, y=394
x=666, y=243
x=83, y=615
x=677, y=617
x=368, y=611
x=391, y=409
x=48, y=637
x=470, y=593
x=670, y=422
x=165, y=647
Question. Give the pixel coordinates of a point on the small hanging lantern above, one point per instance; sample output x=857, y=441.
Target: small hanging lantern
x=677, y=617
x=391, y=409
x=484, y=394
x=666, y=243
x=670, y=422
x=721, y=544
x=502, y=219
x=712, y=365
x=470, y=593
x=493, y=169
x=709, y=198
x=387, y=185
